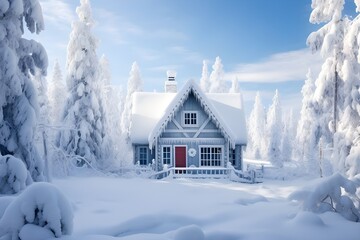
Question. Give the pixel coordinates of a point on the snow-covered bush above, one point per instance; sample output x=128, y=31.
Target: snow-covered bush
x=42, y=205
x=13, y=175
x=335, y=193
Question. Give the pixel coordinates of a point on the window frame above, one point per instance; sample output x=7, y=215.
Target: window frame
x=170, y=154
x=211, y=154
x=191, y=118
x=141, y=154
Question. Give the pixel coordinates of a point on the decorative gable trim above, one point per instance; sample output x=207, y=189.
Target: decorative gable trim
x=178, y=101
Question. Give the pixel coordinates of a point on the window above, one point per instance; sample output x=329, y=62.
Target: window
x=143, y=155
x=232, y=156
x=190, y=118
x=210, y=156
x=166, y=155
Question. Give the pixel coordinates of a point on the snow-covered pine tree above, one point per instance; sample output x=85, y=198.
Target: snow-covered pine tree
x=329, y=41
x=57, y=95
x=347, y=147
x=204, y=80
x=19, y=58
x=308, y=129
x=274, y=132
x=113, y=99
x=217, y=81
x=234, y=86
x=83, y=112
x=257, y=131
x=134, y=85
x=42, y=137
x=287, y=138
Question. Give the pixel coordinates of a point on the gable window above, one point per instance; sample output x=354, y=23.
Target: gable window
x=166, y=155
x=143, y=155
x=210, y=156
x=190, y=118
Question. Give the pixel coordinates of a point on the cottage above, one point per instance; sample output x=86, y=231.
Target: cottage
x=188, y=128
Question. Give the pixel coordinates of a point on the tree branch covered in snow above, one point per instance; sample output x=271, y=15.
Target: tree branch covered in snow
x=335, y=193
x=13, y=175
x=19, y=58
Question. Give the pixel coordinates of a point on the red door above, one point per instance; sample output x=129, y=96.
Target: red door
x=180, y=156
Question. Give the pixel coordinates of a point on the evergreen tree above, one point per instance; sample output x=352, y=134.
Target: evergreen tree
x=41, y=136
x=83, y=109
x=204, y=81
x=329, y=41
x=113, y=99
x=256, y=132
x=274, y=132
x=19, y=59
x=134, y=85
x=57, y=95
x=217, y=82
x=308, y=129
x=286, y=141
x=347, y=147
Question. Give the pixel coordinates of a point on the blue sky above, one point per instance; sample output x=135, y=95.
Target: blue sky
x=261, y=42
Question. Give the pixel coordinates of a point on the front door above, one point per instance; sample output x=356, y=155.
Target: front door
x=180, y=156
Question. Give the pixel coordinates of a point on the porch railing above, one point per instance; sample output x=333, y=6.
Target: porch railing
x=217, y=173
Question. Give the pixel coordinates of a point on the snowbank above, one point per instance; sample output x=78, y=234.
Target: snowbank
x=334, y=193
x=13, y=175
x=41, y=205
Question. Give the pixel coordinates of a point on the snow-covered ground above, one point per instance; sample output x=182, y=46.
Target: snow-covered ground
x=115, y=208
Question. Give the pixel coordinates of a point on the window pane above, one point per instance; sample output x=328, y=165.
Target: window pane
x=210, y=156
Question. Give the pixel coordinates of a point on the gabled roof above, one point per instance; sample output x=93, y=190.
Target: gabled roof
x=152, y=112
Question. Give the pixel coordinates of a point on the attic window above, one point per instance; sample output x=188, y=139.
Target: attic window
x=190, y=118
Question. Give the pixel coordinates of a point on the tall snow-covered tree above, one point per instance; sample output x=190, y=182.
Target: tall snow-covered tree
x=234, y=86
x=83, y=112
x=134, y=85
x=57, y=95
x=257, y=131
x=19, y=58
x=308, y=129
x=113, y=99
x=347, y=147
x=274, y=132
x=329, y=41
x=287, y=138
x=204, y=80
x=217, y=81
x=42, y=137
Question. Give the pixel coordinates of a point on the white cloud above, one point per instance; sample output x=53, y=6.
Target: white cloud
x=57, y=12
x=186, y=54
x=280, y=67
x=115, y=26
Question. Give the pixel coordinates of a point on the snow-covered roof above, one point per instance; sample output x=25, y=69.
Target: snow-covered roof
x=152, y=111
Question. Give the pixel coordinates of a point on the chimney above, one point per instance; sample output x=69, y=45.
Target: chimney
x=170, y=83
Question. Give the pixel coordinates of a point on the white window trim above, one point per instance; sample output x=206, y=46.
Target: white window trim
x=171, y=154
x=189, y=125
x=212, y=146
